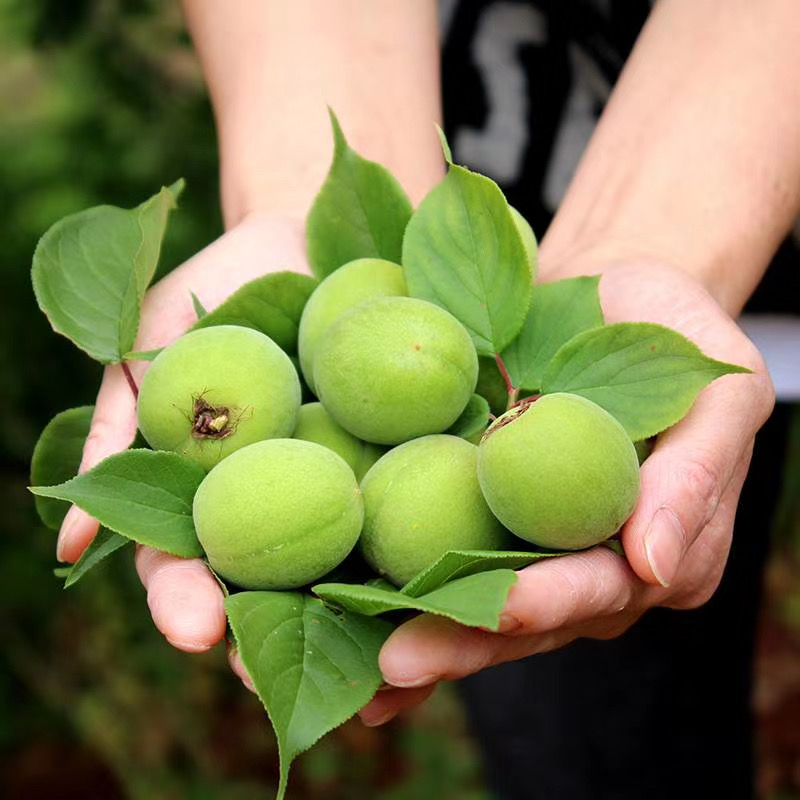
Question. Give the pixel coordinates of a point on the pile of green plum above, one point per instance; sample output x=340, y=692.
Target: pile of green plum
x=292, y=489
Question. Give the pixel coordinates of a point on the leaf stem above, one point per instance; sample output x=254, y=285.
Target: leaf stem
x=512, y=392
x=131, y=382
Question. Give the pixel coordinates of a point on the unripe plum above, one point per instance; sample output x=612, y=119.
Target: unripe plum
x=215, y=390
x=278, y=514
x=350, y=285
x=396, y=368
x=422, y=499
x=315, y=424
x=559, y=472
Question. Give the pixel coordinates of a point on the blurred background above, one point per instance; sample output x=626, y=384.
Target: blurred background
x=101, y=101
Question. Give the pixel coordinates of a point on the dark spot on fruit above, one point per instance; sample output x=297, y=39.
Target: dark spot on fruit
x=211, y=422
x=418, y=347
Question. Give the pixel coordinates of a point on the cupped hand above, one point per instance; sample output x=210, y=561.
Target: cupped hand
x=184, y=598
x=676, y=543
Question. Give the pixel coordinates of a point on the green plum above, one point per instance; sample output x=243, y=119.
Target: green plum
x=395, y=368
x=559, y=471
x=215, y=390
x=315, y=424
x=278, y=514
x=422, y=499
x=349, y=286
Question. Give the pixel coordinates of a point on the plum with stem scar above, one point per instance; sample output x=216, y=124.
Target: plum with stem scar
x=559, y=471
x=215, y=390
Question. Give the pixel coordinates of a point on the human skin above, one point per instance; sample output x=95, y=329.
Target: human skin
x=687, y=188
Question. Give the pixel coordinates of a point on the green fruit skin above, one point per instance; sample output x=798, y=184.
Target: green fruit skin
x=315, y=424
x=422, y=499
x=528, y=238
x=227, y=366
x=278, y=514
x=349, y=286
x=396, y=368
x=562, y=473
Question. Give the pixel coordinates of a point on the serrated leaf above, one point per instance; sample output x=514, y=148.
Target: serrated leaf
x=645, y=375
x=312, y=668
x=473, y=419
x=361, y=211
x=272, y=304
x=144, y=495
x=558, y=311
x=56, y=458
x=475, y=600
x=91, y=270
x=104, y=544
x=462, y=251
x=456, y=564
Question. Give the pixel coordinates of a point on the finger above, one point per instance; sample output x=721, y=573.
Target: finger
x=112, y=430
x=546, y=608
x=387, y=704
x=185, y=600
x=235, y=660
x=689, y=471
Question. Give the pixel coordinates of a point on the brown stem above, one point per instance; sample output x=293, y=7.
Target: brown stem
x=131, y=382
x=512, y=392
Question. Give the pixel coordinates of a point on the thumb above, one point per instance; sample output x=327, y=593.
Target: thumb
x=112, y=430
x=688, y=473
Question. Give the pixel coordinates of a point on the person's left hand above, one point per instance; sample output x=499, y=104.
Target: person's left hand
x=676, y=543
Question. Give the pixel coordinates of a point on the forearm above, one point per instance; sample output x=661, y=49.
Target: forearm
x=696, y=160
x=273, y=68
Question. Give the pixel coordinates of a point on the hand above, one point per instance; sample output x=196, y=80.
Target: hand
x=184, y=598
x=676, y=542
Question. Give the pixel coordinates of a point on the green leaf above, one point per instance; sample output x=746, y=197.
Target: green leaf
x=446, y=151
x=462, y=251
x=473, y=420
x=56, y=458
x=104, y=544
x=360, y=212
x=91, y=270
x=144, y=495
x=475, y=600
x=457, y=564
x=558, y=311
x=272, y=304
x=312, y=668
x=645, y=375
x=198, y=307
x=142, y=355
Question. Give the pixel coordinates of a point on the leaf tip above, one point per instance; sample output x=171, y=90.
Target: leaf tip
x=447, y=152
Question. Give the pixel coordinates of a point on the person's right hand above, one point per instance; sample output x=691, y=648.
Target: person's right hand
x=184, y=598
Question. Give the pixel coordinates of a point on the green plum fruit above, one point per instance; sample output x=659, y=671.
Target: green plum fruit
x=215, y=390
x=422, y=499
x=349, y=286
x=315, y=424
x=528, y=238
x=559, y=471
x=278, y=514
x=395, y=368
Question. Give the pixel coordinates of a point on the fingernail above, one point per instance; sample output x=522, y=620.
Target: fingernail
x=663, y=545
x=413, y=683
x=63, y=535
x=379, y=719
